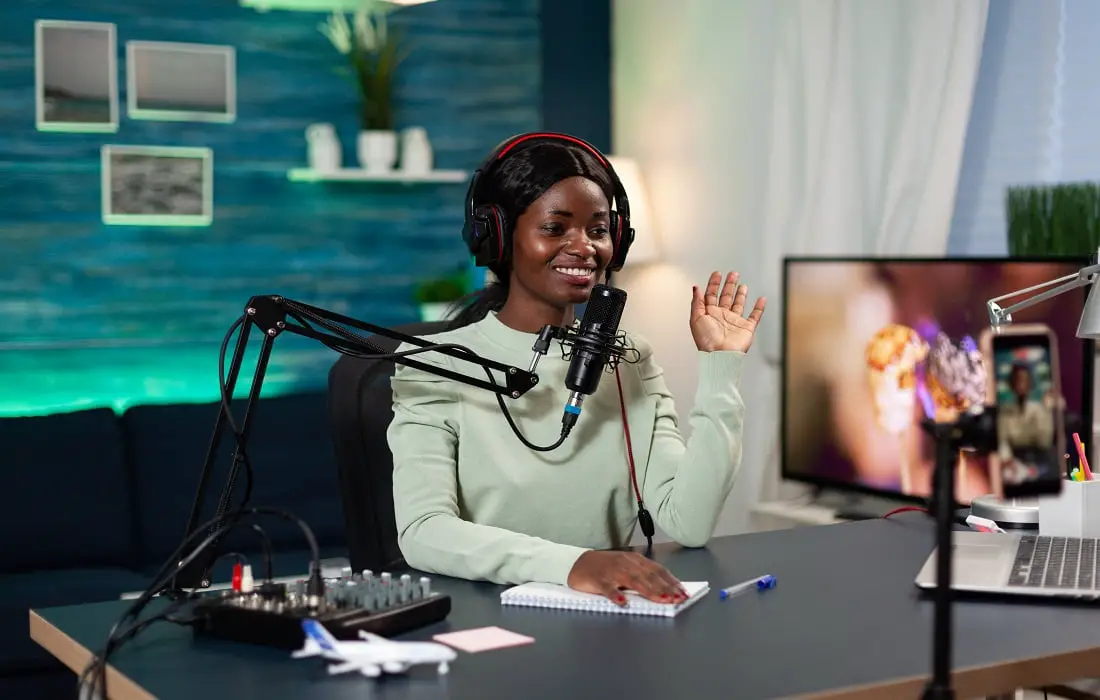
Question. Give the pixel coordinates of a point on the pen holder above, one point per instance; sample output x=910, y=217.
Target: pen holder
x=1075, y=512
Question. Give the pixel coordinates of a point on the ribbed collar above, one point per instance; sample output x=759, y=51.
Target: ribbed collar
x=508, y=338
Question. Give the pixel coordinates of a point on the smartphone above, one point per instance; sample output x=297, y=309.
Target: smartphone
x=1024, y=383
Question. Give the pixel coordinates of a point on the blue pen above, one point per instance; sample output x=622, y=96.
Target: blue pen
x=760, y=583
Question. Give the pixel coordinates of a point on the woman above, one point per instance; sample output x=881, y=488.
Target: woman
x=470, y=500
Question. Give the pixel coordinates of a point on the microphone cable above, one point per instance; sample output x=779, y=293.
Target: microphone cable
x=382, y=355
x=92, y=682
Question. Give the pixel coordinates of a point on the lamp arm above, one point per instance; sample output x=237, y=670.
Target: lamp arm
x=999, y=316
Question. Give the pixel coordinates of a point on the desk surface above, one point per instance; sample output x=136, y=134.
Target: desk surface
x=845, y=621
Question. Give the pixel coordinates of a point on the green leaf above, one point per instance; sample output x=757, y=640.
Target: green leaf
x=442, y=289
x=1053, y=220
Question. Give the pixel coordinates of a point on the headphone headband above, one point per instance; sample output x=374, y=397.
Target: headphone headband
x=486, y=230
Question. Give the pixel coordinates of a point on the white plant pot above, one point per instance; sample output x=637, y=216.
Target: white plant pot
x=434, y=311
x=377, y=151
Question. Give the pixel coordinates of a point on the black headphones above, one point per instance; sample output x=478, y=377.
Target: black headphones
x=487, y=231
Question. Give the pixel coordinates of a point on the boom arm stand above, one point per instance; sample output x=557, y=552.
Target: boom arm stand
x=275, y=315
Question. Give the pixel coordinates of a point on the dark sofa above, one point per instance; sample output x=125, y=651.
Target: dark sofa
x=96, y=502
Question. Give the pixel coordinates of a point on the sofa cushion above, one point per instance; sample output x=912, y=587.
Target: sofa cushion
x=290, y=448
x=55, y=683
x=43, y=589
x=66, y=484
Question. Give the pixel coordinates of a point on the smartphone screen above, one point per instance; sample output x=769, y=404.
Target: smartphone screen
x=1030, y=422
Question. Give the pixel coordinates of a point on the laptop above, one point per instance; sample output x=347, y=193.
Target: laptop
x=1020, y=564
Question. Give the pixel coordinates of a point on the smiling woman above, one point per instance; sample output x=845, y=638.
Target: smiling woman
x=552, y=200
x=548, y=216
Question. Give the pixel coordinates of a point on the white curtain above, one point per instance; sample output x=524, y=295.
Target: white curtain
x=1035, y=113
x=776, y=127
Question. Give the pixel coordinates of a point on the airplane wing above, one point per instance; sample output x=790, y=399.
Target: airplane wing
x=308, y=649
x=345, y=667
x=303, y=653
x=368, y=636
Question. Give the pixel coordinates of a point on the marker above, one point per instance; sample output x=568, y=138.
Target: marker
x=760, y=583
x=1082, y=459
x=983, y=524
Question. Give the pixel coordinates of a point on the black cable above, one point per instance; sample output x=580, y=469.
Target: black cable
x=265, y=544
x=238, y=436
x=168, y=571
x=241, y=559
x=92, y=682
x=165, y=575
x=355, y=337
x=226, y=400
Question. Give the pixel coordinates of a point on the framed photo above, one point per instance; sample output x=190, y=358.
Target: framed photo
x=158, y=186
x=181, y=82
x=75, y=76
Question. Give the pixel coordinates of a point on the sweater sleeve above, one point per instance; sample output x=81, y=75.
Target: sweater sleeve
x=432, y=534
x=687, y=482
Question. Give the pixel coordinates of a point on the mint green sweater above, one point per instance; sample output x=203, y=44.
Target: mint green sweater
x=472, y=502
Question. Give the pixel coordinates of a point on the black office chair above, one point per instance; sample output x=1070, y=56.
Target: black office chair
x=360, y=405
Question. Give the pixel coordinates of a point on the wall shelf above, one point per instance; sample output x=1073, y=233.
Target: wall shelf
x=360, y=175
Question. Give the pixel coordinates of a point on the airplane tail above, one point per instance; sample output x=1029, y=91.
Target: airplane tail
x=322, y=637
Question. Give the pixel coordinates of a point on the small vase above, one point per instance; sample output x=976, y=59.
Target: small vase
x=416, y=151
x=377, y=150
x=323, y=148
x=434, y=311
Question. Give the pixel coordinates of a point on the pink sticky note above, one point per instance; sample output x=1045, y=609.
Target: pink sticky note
x=483, y=639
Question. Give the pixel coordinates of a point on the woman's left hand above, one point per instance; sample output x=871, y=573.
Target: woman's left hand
x=718, y=321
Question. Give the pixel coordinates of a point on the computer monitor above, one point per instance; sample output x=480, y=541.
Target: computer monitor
x=833, y=433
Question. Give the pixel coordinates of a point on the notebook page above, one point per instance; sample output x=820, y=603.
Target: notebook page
x=549, y=595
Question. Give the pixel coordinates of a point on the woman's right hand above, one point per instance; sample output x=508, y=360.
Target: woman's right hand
x=609, y=573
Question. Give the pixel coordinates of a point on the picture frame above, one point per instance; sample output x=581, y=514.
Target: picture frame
x=173, y=81
x=76, y=76
x=157, y=185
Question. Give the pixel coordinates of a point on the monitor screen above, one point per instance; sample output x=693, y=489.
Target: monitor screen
x=851, y=423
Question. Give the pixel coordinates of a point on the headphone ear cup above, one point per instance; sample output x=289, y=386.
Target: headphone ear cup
x=489, y=235
x=623, y=237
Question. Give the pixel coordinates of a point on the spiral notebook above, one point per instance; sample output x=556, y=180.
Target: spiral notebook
x=551, y=595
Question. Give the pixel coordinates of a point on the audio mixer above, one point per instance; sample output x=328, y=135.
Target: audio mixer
x=272, y=613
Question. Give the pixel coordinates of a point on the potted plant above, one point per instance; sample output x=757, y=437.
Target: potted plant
x=437, y=296
x=373, y=54
x=1059, y=219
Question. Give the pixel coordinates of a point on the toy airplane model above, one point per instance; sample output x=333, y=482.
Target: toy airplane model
x=372, y=654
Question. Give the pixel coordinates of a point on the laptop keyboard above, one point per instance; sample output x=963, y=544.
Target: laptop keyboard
x=1055, y=562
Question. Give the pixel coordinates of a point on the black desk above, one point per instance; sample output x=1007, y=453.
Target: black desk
x=845, y=621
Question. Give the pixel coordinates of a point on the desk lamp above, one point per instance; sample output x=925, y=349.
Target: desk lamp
x=1089, y=326
x=1024, y=512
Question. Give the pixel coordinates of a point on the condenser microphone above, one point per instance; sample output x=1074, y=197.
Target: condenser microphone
x=594, y=344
